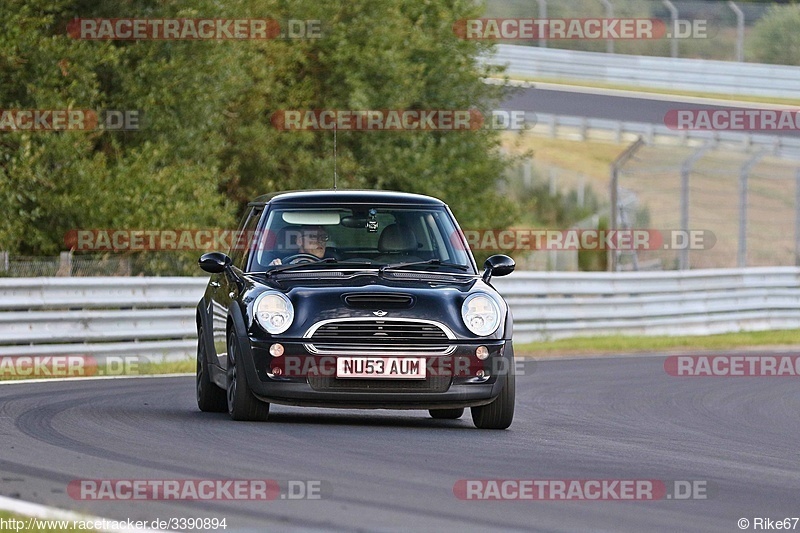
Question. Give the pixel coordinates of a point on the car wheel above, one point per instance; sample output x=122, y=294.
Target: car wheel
x=446, y=414
x=210, y=398
x=499, y=413
x=242, y=405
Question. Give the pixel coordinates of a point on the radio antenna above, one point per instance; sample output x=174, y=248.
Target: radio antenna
x=334, y=157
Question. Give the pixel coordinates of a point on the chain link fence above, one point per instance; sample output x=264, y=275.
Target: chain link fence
x=742, y=205
x=68, y=264
x=725, y=25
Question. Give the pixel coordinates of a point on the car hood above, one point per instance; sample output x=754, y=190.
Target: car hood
x=371, y=296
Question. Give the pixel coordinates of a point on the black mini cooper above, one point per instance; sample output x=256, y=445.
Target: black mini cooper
x=354, y=299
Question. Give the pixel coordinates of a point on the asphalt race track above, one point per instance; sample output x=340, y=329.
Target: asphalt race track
x=649, y=110
x=616, y=418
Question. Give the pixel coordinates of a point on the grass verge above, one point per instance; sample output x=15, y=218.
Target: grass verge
x=615, y=344
x=127, y=367
x=667, y=92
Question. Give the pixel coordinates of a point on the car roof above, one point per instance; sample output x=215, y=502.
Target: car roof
x=346, y=196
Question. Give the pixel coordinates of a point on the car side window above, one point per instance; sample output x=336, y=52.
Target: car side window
x=245, y=237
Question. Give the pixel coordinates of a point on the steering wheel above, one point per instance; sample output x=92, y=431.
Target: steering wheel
x=300, y=258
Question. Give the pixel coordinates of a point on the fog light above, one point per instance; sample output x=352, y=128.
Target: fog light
x=277, y=371
x=276, y=350
x=482, y=352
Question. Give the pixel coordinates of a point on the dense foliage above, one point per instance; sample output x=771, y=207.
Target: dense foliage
x=206, y=144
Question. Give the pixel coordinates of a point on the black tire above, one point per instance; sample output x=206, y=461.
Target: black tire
x=446, y=414
x=210, y=398
x=242, y=405
x=499, y=413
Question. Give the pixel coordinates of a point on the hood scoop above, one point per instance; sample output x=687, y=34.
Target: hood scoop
x=378, y=300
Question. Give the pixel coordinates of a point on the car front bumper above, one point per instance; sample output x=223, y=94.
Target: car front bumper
x=457, y=379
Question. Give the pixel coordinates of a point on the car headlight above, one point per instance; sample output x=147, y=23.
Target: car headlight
x=274, y=312
x=481, y=314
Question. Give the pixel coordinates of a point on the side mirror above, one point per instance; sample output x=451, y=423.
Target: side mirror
x=498, y=265
x=214, y=262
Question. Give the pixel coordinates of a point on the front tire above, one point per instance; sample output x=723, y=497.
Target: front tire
x=210, y=398
x=242, y=405
x=499, y=413
x=446, y=414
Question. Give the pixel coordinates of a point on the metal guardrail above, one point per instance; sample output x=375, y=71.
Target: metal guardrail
x=155, y=317
x=552, y=305
x=703, y=75
x=583, y=128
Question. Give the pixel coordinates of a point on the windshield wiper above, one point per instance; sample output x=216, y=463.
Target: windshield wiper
x=299, y=265
x=325, y=261
x=432, y=262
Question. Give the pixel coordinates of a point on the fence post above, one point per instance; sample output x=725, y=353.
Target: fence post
x=616, y=165
x=744, y=172
x=673, y=17
x=609, y=15
x=4, y=266
x=739, y=31
x=543, y=16
x=686, y=170
x=797, y=217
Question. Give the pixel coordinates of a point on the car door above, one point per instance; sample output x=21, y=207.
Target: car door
x=224, y=287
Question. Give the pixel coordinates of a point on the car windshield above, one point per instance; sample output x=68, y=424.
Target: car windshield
x=333, y=237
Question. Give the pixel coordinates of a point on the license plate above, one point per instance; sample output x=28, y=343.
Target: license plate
x=381, y=367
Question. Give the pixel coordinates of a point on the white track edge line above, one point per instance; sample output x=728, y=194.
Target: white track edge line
x=93, y=378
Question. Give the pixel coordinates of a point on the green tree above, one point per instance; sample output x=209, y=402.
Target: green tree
x=206, y=144
x=775, y=38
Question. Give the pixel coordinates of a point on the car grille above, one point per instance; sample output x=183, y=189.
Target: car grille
x=332, y=384
x=379, y=336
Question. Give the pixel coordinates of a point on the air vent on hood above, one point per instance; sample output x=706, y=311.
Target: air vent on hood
x=379, y=300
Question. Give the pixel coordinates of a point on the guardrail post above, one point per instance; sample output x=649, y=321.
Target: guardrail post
x=527, y=174
x=739, y=30
x=673, y=17
x=64, y=264
x=4, y=266
x=616, y=165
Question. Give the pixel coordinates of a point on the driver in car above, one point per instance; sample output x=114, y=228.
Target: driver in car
x=311, y=240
